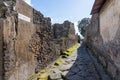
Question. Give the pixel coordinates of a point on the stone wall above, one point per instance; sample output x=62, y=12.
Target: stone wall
x=26, y=40
x=24, y=8
x=19, y=62
x=110, y=13
x=100, y=37
x=1, y=50
x=64, y=30
x=64, y=34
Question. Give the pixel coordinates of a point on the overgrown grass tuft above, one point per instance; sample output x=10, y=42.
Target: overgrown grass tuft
x=58, y=62
x=69, y=51
x=43, y=74
x=40, y=76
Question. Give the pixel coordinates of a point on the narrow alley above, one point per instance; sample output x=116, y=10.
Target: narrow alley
x=60, y=40
x=79, y=66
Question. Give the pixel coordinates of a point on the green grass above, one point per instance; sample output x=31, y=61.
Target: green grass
x=40, y=76
x=43, y=74
x=69, y=51
x=58, y=62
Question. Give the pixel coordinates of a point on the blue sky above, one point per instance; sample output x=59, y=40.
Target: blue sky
x=61, y=10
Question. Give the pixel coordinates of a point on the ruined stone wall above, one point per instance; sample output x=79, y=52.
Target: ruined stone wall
x=25, y=9
x=45, y=48
x=100, y=37
x=64, y=30
x=26, y=40
x=19, y=63
x=1, y=49
x=64, y=34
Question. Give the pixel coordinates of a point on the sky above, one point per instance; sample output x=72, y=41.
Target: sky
x=61, y=10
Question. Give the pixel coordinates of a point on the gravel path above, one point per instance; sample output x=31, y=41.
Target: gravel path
x=79, y=66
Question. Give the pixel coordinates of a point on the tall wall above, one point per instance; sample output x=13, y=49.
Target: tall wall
x=110, y=14
x=1, y=49
x=26, y=40
x=103, y=37
x=19, y=62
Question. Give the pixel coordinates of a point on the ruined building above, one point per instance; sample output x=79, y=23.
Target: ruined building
x=103, y=35
x=64, y=30
x=64, y=34
x=27, y=43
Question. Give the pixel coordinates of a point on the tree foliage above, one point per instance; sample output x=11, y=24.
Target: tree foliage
x=83, y=24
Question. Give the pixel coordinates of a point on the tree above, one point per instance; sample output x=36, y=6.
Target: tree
x=83, y=24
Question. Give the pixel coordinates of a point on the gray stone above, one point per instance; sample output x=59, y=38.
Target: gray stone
x=75, y=69
x=103, y=61
x=65, y=73
x=70, y=74
x=76, y=77
x=111, y=68
x=65, y=67
x=55, y=76
x=91, y=78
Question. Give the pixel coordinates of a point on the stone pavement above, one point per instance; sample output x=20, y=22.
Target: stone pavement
x=79, y=66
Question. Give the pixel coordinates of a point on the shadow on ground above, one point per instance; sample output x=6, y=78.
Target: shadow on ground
x=86, y=67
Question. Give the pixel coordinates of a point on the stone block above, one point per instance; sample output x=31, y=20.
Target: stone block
x=112, y=69
x=102, y=60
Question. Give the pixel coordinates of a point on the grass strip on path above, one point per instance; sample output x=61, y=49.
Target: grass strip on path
x=43, y=74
